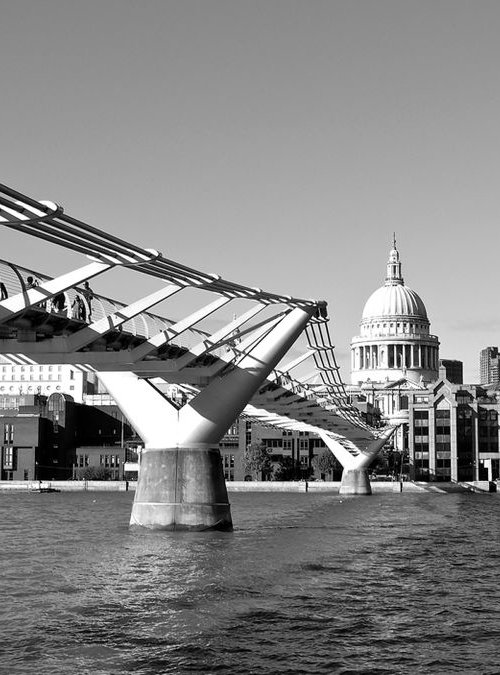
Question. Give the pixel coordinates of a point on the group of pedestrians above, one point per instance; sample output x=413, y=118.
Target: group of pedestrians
x=79, y=309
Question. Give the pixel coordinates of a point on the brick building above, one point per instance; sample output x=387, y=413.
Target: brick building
x=41, y=437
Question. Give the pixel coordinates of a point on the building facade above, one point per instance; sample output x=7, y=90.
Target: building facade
x=18, y=379
x=453, y=369
x=489, y=366
x=42, y=437
x=395, y=353
x=394, y=340
x=454, y=433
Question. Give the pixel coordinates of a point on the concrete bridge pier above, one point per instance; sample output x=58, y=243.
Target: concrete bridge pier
x=355, y=482
x=355, y=460
x=182, y=488
x=181, y=483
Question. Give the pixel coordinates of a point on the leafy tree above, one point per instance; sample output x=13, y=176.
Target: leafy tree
x=256, y=461
x=324, y=463
x=283, y=469
x=389, y=462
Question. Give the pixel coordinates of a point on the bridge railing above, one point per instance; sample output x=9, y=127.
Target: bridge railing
x=46, y=220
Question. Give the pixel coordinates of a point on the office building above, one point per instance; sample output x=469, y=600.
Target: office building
x=489, y=366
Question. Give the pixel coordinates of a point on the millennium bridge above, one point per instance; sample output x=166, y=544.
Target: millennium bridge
x=240, y=369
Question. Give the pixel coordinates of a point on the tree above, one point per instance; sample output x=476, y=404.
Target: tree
x=93, y=473
x=324, y=463
x=256, y=461
x=284, y=469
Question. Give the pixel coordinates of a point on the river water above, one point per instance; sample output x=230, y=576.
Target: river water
x=306, y=583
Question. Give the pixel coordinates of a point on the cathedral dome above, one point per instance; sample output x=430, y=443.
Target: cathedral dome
x=394, y=300
x=394, y=343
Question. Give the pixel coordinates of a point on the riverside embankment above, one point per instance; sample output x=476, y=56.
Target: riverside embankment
x=232, y=486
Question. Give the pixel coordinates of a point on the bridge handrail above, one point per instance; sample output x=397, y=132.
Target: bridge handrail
x=53, y=225
x=47, y=220
x=21, y=271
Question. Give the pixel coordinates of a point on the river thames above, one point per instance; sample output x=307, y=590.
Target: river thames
x=306, y=583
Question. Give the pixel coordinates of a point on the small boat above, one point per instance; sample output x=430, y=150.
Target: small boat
x=40, y=487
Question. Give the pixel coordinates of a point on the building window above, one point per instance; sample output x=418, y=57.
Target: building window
x=8, y=458
x=465, y=443
x=421, y=444
x=8, y=434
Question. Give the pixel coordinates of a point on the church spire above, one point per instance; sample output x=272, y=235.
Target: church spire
x=393, y=276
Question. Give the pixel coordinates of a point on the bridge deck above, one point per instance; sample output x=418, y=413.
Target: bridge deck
x=153, y=346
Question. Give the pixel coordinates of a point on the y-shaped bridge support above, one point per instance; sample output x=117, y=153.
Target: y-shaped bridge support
x=355, y=480
x=181, y=483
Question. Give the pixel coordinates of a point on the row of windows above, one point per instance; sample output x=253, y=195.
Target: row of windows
x=400, y=326
x=33, y=388
x=31, y=378
x=487, y=415
x=462, y=413
x=286, y=443
x=30, y=368
x=110, y=461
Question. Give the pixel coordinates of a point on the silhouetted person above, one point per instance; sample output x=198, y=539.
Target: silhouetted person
x=31, y=283
x=3, y=291
x=78, y=308
x=58, y=302
x=88, y=294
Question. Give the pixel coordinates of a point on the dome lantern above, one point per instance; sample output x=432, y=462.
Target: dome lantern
x=393, y=276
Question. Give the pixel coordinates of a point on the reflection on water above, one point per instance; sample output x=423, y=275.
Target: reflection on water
x=305, y=584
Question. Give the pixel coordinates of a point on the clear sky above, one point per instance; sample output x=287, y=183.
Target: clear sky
x=278, y=143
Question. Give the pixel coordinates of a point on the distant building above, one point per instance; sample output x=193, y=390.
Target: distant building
x=454, y=432
x=394, y=340
x=489, y=365
x=290, y=452
x=394, y=354
x=46, y=380
x=50, y=438
x=453, y=370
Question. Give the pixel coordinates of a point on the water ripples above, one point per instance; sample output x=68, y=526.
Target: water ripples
x=305, y=584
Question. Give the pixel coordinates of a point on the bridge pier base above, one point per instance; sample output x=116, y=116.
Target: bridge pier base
x=355, y=482
x=181, y=488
